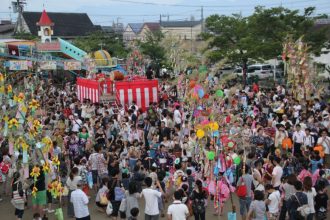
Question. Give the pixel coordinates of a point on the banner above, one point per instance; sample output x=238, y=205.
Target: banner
x=18, y=65
x=47, y=65
x=72, y=65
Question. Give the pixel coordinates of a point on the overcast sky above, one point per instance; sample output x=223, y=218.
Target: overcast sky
x=104, y=12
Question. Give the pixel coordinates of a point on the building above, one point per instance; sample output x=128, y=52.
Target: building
x=147, y=28
x=132, y=31
x=6, y=29
x=66, y=25
x=184, y=30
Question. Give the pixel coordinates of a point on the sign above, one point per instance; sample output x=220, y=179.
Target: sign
x=18, y=65
x=47, y=65
x=72, y=65
x=50, y=46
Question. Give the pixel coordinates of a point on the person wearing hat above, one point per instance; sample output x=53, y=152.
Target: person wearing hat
x=80, y=202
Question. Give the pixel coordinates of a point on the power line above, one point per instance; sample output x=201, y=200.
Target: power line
x=206, y=6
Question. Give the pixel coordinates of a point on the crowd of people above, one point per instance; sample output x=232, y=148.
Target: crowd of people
x=270, y=150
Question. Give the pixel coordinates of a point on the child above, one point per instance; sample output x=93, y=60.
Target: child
x=83, y=173
x=18, y=196
x=222, y=193
x=101, y=194
x=134, y=214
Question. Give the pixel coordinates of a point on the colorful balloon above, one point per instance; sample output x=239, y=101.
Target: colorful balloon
x=200, y=93
x=216, y=134
x=214, y=126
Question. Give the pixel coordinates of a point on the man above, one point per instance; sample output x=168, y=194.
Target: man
x=298, y=140
x=273, y=202
x=164, y=132
x=177, y=115
x=177, y=210
x=151, y=197
x=76, y=123
x=80, y=203
x=277, y=173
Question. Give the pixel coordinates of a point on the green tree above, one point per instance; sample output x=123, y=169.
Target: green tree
x=25, y=36
x=261, y=35
x=110, y=42
x=152, y=47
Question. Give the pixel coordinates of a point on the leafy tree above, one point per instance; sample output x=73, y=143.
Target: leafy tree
x=152, y=47
x=261, y=35
x=110, y=42
x=25, y=36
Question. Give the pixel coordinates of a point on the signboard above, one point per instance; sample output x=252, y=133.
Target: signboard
x=47, y=65
x=51, y=46
x=72, y=65
x=18, y=65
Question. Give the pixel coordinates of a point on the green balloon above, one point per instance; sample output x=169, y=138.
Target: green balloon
x=219, y=93
x=211, y=155
x=237, y=160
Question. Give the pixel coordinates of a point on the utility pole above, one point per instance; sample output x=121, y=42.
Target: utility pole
x=202, y=18
x=18, y=6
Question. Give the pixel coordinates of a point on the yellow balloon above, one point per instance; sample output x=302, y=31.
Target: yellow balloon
x=200, y=133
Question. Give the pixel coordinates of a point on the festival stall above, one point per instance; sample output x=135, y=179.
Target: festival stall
x=138, y=89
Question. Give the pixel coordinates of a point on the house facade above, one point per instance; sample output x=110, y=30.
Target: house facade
x=183, y=30
x=147, y=28
x=132, y=31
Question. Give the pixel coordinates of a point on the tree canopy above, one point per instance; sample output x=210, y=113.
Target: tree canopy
x=152, y=47
x=110, y=42
x=261, y=35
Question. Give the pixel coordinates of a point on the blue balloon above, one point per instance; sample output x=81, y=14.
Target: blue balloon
x=216, y=134
x=201, y=93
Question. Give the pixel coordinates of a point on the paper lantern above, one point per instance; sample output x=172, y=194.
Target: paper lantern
x=200, y=133
x=211, y=155
x=200, y=93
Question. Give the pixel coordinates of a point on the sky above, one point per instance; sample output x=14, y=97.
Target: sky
x=105, y=12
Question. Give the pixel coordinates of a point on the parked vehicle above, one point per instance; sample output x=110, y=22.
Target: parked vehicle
x=263, y=71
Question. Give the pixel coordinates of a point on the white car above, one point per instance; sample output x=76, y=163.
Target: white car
x=263, y=71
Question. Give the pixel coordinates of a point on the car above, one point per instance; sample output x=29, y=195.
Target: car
x=238, y=72
x=263, y=71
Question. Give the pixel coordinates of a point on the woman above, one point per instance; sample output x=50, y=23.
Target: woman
x=311, y=193
x=71, y=183
x=130, y=202
x=100, y=137
x=18, y=196
x=40, y=200
x=73, y=144
x=116, y=192
x=288, y=190
x=257, y=209
x=198, y=198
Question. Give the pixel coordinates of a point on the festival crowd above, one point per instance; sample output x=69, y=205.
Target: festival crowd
x=262, y=146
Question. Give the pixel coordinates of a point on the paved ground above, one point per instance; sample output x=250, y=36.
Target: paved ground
x=7, y=211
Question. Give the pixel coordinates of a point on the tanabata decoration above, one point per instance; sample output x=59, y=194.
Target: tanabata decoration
x=211, y=155
x=35, y=173
x=214, y=126
x=237, y=160
x=219, y=93
x=177, y=161
x=56, y=189
x=33, y=105
x=34, y=191
x=200, y=133
x=13, y=124
x=46, y=167
x=192, y=84
x=55, y=161
x=48, y=144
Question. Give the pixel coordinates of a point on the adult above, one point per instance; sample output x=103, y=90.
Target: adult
x=177, y=210
x=324, y=141
x=40, y=199
x=72, y=184
x=151, y=196
x=296, y=200
x=244, y=202
x=273, y=202
x=277, y=173
x=80, y=202
x=298, y=140
x=198, y=198
x=310, y=193
x=288, y=191
x=257, y=210
x=98, y=164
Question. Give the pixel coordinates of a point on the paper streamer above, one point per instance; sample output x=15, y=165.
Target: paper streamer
x=26, y=173
x=11, y=148
x=25, y=156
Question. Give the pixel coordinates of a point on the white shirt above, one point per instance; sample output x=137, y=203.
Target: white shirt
x=177, y=210
x=72, y=184
x=325, y=143
x=80, y=203
x=151, y=197
x=310, y=198
x=277, y=173
x=177, y=116
x=298, y=136
x=76, y=125
x=274, y=198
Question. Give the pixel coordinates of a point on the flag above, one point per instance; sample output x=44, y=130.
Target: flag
x=13, y=50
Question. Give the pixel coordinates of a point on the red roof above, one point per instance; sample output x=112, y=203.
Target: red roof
x=45, y=20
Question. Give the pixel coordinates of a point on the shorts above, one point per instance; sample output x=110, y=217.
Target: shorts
x=244, y=205
x=40, y=198
x=19, y=213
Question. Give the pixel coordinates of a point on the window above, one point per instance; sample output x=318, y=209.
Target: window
x=46, y=32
